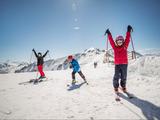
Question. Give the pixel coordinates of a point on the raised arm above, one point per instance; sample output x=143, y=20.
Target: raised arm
x=110, y=38
x=35, y=52
x=128, y=36
x=46, y=53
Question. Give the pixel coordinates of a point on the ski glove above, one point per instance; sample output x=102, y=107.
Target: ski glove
x=107, y=32
x=33, y=49
x=70, y=66
x=129, y=28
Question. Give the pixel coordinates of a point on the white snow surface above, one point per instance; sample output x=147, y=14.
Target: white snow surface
x=54, y=100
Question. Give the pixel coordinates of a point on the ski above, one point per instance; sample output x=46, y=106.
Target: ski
x=27, y=82
x=34, y=81
x=37, y=81
x=118, y=95
x=129, y=95
x=74, y=84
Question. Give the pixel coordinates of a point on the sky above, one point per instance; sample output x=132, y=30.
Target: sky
x=66, y=27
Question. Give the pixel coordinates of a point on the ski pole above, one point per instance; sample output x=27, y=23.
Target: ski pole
x=49, y=56
x=107, y=54
x=133, y=54
x=31, y=58
x=50, y=59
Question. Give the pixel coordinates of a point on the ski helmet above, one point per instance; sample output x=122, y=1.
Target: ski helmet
x=39, y=54
x=119, y=38
x=70, y=57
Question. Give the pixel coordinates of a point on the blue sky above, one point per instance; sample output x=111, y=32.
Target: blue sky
x=69, y=26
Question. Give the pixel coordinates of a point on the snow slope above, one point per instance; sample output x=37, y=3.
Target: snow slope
x=54, y=100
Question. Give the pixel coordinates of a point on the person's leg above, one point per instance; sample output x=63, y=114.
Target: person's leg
x=40, y=69
x=116, y=78
x=123, y=76
x=81, y=74
x=73, y=77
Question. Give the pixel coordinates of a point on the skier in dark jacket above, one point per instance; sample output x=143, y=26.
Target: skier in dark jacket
x=120, y=58
x=76, y=68
x=40, y=62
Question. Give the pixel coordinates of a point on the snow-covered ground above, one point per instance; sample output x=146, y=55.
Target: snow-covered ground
x=54, y=100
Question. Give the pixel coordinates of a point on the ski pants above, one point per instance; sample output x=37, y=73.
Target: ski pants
x=120, y=73
x=40, y=69
x=80, y=73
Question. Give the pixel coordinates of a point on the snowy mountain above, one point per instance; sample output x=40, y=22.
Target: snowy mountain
x=11, y=66
x=88, y=57
x=151, y=51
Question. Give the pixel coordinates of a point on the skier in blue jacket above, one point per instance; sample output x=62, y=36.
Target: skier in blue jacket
x=76, y=68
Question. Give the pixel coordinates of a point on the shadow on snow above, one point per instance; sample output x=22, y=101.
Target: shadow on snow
x=75, y=86
x=149, y=110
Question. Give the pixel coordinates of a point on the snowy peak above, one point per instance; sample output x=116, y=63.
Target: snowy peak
x=152, y=51
x=91, y=50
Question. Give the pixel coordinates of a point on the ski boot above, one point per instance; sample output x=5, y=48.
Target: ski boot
x=117, y=98
x=73, y=82
x=124, y=89
x=36, y=81
x=116, y=91
x=41, y=78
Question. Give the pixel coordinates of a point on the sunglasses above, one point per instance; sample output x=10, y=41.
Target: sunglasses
x=119, y=41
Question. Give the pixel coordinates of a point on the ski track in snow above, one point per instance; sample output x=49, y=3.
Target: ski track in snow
x=53, y=100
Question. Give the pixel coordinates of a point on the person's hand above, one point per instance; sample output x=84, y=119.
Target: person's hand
x=47, y=50
x=129, y=28
x=107, y=32
x=33, y=49
x=70, y=66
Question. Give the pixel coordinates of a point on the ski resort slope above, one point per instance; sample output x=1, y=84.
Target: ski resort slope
x=53, y=99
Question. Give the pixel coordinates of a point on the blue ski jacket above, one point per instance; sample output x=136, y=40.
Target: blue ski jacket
x=75, y=65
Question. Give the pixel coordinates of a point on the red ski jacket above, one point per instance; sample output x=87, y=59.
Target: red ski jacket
x=120, y=52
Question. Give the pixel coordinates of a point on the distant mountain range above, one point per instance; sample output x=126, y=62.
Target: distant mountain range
x=151, y=51
x=89, y=56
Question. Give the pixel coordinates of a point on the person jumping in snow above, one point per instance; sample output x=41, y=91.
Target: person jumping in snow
x=40, y=62
x=76, y=68
x=120, y=58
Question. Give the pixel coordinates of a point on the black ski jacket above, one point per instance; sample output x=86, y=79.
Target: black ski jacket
x=40, y=60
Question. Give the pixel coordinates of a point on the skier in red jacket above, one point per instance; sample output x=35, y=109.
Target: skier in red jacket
x=120, y=58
